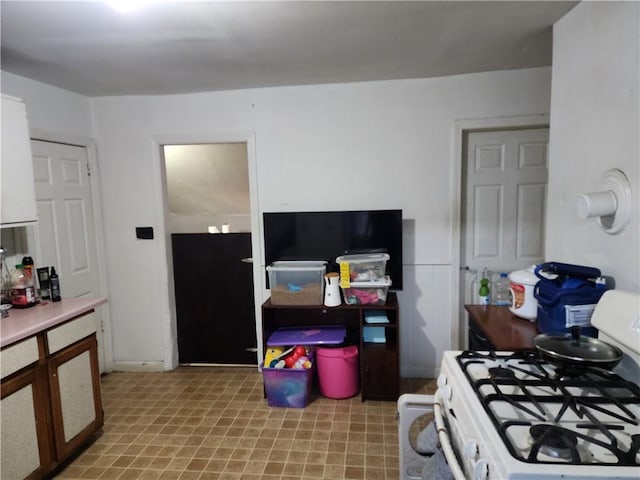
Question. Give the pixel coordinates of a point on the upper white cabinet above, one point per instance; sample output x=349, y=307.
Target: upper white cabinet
x=17, y=189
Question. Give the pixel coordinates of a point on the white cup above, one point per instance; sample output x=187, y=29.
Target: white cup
x=225, y=228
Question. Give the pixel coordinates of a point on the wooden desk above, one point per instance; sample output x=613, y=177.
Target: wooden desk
x=501, y=328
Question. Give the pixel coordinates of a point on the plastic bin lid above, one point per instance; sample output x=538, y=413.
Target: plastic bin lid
x=386, y=282
x=362, y=257
x=325, y=335
x=296, y=265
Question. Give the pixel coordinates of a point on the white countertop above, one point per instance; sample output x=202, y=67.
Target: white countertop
x=25, y=322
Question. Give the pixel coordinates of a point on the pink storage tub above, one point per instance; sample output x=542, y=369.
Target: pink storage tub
x=338, y=371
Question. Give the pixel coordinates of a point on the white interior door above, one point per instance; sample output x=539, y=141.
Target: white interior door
x=65, y=233
x=504, y=188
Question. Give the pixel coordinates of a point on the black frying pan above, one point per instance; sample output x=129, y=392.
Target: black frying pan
x=574, y=349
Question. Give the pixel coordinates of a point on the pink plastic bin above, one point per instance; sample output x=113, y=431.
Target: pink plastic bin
x=338, y=373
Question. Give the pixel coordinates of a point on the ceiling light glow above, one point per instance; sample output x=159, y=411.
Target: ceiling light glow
x=126, y=6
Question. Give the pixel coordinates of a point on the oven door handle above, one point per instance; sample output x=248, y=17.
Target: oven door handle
x=443, y=436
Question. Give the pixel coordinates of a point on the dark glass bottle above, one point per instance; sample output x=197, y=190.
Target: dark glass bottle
x=54, y=285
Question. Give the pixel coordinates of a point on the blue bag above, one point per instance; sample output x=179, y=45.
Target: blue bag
x=567, y=295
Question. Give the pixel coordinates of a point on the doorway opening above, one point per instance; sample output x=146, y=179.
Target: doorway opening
x=208, y=218
x=207, y=185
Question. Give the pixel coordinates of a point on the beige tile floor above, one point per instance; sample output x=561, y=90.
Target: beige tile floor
x=213, y=423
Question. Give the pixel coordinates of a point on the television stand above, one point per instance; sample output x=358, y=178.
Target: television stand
x=379, y=362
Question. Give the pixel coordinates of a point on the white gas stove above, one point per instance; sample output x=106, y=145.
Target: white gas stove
x=514, y=415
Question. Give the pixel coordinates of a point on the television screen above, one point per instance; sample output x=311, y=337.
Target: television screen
x=327, y=235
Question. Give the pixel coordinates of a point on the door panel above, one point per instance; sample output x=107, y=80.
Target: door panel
x=214, y=298
x=74, y=390
x=487, y=222
x=27, y=445
x=530, y=223
x=65, y=233
x=63, y=191
x=380, y=373
x=504, y=188
x=77, y=231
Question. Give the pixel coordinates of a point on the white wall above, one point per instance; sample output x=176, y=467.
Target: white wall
x=348, y=146
x=595, y=126
x=371, y=145
x=51, y=109
x=62, y=116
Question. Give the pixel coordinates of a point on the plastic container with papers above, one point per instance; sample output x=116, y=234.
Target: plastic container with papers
x=363, y=267
x=366, y=293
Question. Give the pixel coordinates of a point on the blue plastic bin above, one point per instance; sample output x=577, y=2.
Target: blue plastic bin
x=288, y=387
x=568, y=300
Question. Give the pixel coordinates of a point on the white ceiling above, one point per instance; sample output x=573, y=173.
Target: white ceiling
x=179, y=47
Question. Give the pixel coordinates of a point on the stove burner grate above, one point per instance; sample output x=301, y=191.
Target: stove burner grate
x=601, y=399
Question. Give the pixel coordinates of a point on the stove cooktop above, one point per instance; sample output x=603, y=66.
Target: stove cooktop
x=546, y=413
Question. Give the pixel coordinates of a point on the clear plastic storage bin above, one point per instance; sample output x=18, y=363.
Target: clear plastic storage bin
x=297, y=282
x=365, y=267
x=367, y=293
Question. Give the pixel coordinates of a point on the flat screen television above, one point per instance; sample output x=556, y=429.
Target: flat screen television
x=327, y=235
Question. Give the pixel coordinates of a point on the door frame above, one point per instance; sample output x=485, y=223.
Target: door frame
x=105, y=351
x=460, y=128
x=169, y=318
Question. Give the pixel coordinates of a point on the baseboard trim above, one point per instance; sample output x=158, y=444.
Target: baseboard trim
x=419, y=373
x=137, y=367
x=235, y=365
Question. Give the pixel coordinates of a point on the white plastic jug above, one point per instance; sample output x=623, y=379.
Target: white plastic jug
x=332, y=289
x=522, y=284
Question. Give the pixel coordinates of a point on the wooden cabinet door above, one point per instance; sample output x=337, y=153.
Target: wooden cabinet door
x=379, y=375
x=214, y=298
x=76, y=402
x=27, y=447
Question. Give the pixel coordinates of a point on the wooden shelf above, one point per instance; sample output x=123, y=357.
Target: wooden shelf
x=500, y=328
x=379, y=362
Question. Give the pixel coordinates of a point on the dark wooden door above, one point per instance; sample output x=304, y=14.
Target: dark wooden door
x=214, y=298
x=379, y=372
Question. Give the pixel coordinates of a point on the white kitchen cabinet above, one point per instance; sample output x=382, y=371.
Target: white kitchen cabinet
x=76, y=402
x=26, y=445
x=51, y=402
x=17, y=188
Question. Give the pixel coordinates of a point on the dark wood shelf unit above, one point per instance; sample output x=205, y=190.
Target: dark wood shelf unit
x=378, y=347
x=494, y=327
x=379, y=362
